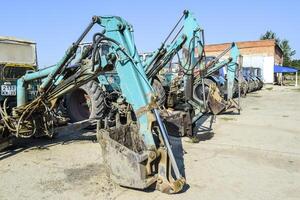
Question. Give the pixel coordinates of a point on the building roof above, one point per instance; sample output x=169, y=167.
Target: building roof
x=13, y=39
x=242, y=45
x=284, y=69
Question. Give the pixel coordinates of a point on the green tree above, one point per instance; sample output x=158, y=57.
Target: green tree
x=295, y=63
x=270, y=35
x=288, y=52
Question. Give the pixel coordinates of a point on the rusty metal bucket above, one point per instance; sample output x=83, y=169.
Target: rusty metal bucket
x=127, y=168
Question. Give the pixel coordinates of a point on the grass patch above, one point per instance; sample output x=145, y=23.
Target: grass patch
x=269, y=88
x=255, y=109
x=285, y=116
x=201, y=137
x=193, y=140
x=296, y=89
x=256, y=96
x=39, y=148
x=228, y=119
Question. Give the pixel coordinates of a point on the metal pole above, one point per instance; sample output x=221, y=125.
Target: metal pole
x=239, y=89
x=296, y=79
x=203, y=94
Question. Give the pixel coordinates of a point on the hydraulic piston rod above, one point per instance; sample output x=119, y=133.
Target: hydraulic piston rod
x=167, y=144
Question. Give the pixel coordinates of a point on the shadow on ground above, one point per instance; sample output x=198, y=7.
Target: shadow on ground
x=43, y=143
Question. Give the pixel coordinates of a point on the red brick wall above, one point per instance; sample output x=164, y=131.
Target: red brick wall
x=261, y=47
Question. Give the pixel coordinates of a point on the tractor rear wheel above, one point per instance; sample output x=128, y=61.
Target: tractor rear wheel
x=199, y=88
x=160, y=91
x=85, y=102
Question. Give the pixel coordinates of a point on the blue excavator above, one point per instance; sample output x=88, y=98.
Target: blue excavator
x=133, y=132
x=253, y=78
x=181, y=88
x=134, y=138
x=179, y=91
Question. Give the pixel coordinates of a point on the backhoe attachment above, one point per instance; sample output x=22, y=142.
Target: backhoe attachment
x=130, y=166
x=187, y=92
x=133, y=137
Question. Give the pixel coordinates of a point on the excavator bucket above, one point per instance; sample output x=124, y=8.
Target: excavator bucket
x=215, y=102
x=132, y=167
x=126, y=167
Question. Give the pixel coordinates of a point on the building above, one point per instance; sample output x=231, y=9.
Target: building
x=263, y=54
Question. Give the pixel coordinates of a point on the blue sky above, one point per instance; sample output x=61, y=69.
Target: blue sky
x=55, y=24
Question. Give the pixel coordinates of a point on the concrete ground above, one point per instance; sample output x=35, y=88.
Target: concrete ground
x=255, y=155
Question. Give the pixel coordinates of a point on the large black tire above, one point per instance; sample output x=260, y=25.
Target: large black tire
x=199, y=89
x=261, y=84
x=244, y=88
x=86, y=102
x=235, y=92
x=160, y=92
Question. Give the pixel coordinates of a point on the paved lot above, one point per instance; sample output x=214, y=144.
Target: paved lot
x=255, y=155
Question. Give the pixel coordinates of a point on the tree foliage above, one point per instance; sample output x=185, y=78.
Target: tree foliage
x=294, y=63
x=270, y=35
x=288, y=52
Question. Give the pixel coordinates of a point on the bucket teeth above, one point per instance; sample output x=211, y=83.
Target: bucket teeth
x=170, y=187
x=178, y=185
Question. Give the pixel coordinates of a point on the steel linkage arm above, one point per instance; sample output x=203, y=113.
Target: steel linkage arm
x=232, y=69
x=231, y=63
x=52, y=73
x=189, y=38
x=162, y=56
